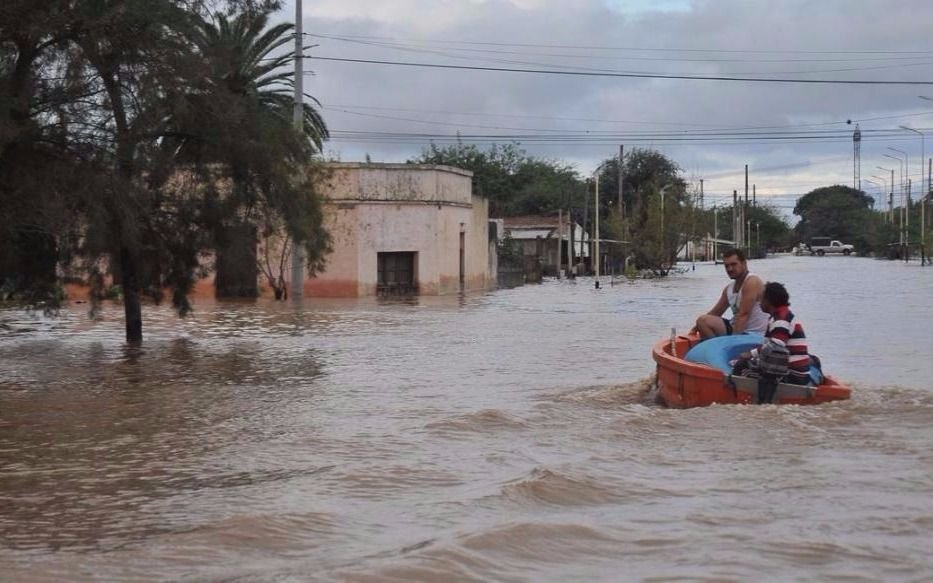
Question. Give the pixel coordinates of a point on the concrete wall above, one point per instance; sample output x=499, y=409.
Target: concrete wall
x=375, y=208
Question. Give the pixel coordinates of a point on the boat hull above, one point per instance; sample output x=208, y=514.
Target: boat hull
x=683, y=384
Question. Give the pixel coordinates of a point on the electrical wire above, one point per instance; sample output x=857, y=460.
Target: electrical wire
x=621, y=122
x=444, y=53
x=407, y=43
x=784, y=80
x=655, y=49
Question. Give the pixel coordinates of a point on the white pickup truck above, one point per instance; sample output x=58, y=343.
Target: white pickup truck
x=824, y=245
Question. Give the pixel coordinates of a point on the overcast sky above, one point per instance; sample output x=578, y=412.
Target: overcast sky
x=587, y=117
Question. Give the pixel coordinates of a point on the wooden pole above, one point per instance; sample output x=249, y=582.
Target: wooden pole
x=560, y=239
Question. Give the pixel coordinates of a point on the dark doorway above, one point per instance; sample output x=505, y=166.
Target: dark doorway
x=462, y=260
x=396, y=274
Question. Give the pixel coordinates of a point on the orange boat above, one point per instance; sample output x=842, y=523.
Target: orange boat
x=683, y=384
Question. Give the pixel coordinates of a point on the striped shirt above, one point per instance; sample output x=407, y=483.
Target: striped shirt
x=785, y=329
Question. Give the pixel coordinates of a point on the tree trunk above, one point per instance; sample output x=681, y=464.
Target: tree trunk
x=237, y=270
x=125, y=159
x=132, y=309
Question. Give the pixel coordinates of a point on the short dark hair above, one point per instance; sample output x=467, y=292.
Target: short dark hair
x=776, y=294
x=736, y=252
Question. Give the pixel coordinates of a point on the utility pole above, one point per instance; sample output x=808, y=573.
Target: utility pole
x=702, y=208
x=586, y=229
x=857, y=158
x=735, y=218
x=923, y=211
x=596, y=220
x=891, y=198
x=560, y=239
x=571, y=253
x=907, y=222
x=701, y=195
x=754, y=196
x=298, y=259
x=745, y=234
x=621, y=170
x=715, y=233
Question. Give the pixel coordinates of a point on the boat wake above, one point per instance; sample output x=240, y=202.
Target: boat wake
x=640, y=392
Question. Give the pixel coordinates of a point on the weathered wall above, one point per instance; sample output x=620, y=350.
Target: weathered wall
x=479, y=275
x=340, y=277
x=397, y=182
x=402, y=207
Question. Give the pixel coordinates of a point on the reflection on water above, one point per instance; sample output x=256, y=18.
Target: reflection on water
x=509, y=435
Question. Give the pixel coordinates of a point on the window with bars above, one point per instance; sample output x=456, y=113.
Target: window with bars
x=396, y=273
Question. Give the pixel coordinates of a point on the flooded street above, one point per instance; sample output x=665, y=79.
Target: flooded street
x=506, y=436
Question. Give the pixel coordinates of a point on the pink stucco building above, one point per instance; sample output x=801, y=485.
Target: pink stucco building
x=403, y=228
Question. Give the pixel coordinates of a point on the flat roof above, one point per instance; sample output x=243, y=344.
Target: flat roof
x=400, y=166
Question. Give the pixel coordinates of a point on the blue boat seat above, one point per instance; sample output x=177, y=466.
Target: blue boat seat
x=718, y=352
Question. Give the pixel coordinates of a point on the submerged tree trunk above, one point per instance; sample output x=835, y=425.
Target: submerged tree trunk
x=132, y=309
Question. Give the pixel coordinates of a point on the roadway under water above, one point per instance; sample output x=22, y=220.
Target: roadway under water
x=506, y=436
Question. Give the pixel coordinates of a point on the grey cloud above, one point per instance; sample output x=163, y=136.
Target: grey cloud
x=829, y=25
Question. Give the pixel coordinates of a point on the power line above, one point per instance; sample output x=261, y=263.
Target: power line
x=403, y=43
x=624, y=75
x=632, y=134
x=338, y=136
x=650, y=49
x=617, y=121
x=434, y=51
x=595, y=136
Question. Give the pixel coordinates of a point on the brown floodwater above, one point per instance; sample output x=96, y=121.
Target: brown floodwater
x=508, y=436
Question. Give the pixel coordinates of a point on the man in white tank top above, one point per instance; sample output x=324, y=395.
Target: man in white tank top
x=743, y=296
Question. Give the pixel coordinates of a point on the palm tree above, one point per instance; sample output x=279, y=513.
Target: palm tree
x=242, y=114
x=240, y=60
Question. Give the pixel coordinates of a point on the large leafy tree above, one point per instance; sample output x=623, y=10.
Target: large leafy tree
x=648, y=176
x=643, y=172
x=837, y=211
x=129, y=146
x=44, y=161
x=134, y=56
x=542, y=187
x=494, y=170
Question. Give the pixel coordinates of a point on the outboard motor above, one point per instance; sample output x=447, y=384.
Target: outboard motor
x=773, y=359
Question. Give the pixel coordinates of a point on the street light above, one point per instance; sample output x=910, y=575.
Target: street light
x=905, y=180
x=902, y=192
x=900, y=170
x=923, y=155
x=891, y=195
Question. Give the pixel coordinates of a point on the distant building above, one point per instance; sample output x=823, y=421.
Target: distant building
x=539, y=236
x=403, y=229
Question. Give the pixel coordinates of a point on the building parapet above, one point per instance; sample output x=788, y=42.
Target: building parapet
x=346, y=182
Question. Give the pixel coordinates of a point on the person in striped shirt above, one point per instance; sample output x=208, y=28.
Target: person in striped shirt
x=784, y=329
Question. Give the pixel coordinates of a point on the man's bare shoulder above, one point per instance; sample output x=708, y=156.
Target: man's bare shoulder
x=754, y=280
